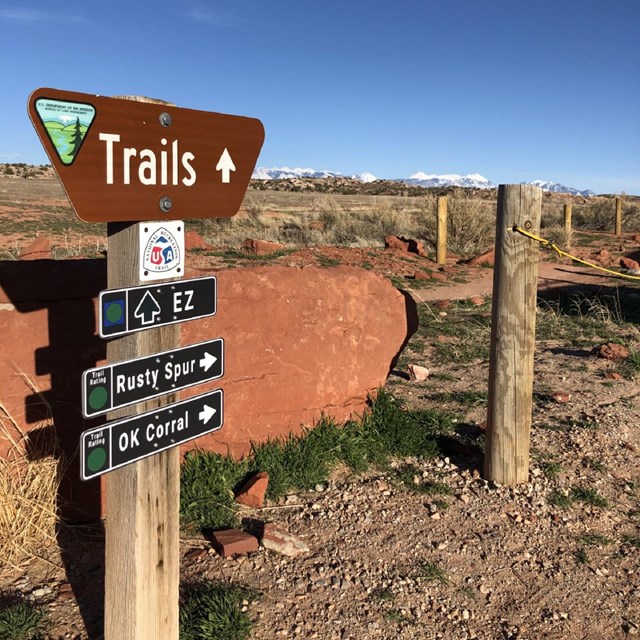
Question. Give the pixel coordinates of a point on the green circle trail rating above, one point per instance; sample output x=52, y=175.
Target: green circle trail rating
x=96, y=459
x=98, y=398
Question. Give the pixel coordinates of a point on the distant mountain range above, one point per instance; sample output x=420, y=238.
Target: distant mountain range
x=420, y=179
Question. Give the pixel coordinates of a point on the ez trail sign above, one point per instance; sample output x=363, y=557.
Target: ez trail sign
x=133, y=309
x=125, y=161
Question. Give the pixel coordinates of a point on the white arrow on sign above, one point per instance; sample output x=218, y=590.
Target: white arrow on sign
x=206, y=414
x=148, y=309
x=208, y=361
x=225, y=164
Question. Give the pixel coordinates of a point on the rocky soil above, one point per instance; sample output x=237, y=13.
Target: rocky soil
x=447, y=555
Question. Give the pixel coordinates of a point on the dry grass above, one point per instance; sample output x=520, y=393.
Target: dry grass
x=28, y=493
x=302, y=220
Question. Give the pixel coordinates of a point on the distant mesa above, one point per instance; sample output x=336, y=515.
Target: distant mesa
x=418, y=179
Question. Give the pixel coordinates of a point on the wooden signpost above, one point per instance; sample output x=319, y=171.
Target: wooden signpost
x=122, y=161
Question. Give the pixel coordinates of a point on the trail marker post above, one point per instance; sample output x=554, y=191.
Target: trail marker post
x=513, y=324
x=441, y=234
x=567, y=222
x=122, y=161
x=618, y=217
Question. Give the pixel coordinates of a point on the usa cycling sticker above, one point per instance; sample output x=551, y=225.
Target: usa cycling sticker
x=161, y=250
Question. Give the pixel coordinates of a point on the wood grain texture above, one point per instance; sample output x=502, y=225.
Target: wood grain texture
x=618, y=216
x=512, y=335
x=143, y=498
x=567, y=222
x=441, y=236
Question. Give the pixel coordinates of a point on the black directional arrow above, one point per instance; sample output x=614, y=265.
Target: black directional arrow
x=148, y=309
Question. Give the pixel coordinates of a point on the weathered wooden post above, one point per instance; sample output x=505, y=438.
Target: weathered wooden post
x=512, y=335
x=618, y=217
x=567, y=223
x=441, y=235
x=129, y=163
x=142, y=571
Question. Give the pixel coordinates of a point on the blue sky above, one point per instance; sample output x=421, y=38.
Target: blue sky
x=511, y=89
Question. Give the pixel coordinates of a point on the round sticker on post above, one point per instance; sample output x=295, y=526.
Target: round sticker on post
x=161, y=252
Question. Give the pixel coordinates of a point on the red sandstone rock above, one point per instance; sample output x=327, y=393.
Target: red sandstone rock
x=39, y=249
x=610, y=351
x=283, y=542
x=401, y=243
x=443, y=304
x=560, y=397
x=628, y=263
x=299, y=342
x=478, y=301
x=488, y=258
x=603, y=257
x=421, y=275
x=261, y=247
x=437, y=275
x=193, y=240
x=234, y=541
x=613, y=375
x=253, y=492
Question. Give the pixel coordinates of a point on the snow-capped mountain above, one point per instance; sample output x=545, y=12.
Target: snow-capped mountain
x=365, y=177
x=281, y=173
x=546, y=185
x=419, y=179
x=474, y=180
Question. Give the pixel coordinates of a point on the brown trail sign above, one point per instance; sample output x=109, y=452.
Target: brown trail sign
x=120, y=160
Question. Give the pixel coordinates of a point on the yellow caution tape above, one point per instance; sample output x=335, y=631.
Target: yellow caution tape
x=552, y=245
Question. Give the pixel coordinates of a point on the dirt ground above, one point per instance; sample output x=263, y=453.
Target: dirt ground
x=477, y=561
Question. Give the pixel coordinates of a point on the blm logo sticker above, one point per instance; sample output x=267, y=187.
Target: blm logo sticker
x=67, y=124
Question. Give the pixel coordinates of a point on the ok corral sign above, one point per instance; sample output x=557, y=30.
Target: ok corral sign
x=119, y=443
x=121, y=160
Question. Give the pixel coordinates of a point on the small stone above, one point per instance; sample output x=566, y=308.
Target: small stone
x=260, y=247
x=418, y=373
x=435, y=516
x=196, y=554
x=283, y=542
x=253, y=492
x=234, y=541
x=560, y=397
x=610, y=351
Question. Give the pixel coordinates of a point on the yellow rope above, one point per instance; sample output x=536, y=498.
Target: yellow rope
x=552, y=245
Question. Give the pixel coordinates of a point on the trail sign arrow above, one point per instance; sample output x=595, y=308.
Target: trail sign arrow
x=119, y=443
x=136, y=308
x=206, y=414
x=208, y=361
x=225, y=164
x=148, y=309
x=123, y=160
x=124, y=383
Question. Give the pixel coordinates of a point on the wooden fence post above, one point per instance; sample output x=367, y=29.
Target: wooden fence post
x=441, y=234
x=512, y=335
x=567, y=222
x=142, y=539
x=618, y=217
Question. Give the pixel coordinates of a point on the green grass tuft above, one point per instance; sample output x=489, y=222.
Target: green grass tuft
x=301, y=461
x=19, y=620
x=213, y=610
x=589, y=496
x=207, y=481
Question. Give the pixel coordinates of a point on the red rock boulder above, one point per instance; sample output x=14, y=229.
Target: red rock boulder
x=407, y=245
x=261, y=247
x=299, y=342
x=38, y=249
